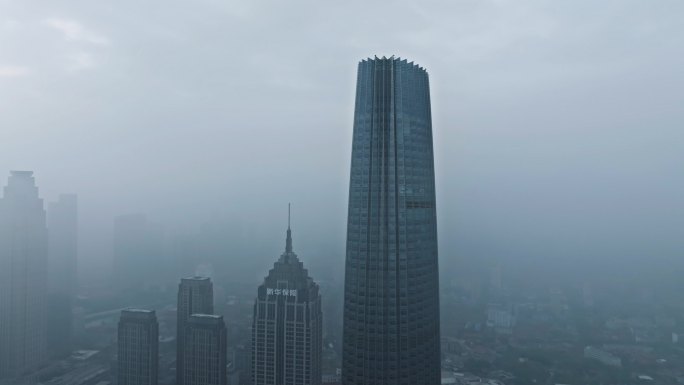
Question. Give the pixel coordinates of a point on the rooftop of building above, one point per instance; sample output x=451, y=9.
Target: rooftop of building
x=21, y=173
x=138, y=314
x=213, y=316
x=211, y=320
x=138, y=311
x=393, y=58
x=196, y=278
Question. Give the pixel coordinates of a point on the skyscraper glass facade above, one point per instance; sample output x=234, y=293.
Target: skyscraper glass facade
x=391, y=305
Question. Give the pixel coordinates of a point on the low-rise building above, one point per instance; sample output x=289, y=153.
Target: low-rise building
x=602, y=356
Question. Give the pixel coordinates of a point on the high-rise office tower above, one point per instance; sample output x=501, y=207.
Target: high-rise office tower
x=23, y=278
x=287, y=325
x=241, y=365
x=391, y=302
x=195, y=296
x=138, y=252
x=62, y=274
x=204, y=356
x=138, y=348
x=130, y=251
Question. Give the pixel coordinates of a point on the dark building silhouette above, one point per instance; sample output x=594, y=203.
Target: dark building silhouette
x=23, y=279
x=62, y=219
x=195, y=296
x=138, y=348
x=240, y=368
x=287, y=325
x=391, y=304
x=204, y=356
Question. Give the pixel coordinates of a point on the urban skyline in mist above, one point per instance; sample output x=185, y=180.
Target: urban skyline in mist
x=232, y=192
x=557, y=125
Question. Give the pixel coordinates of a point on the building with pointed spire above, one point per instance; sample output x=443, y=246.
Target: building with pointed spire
x=287, y=324
x=23, y=279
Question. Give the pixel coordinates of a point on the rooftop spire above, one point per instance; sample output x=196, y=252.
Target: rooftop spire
x=288, y=241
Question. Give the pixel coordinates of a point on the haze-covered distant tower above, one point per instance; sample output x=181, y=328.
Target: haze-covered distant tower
x=204, y=357
x=62, y=218
x=23, y=278
x=287, y=325
x=138, y=348
x=391, y=304
x=195, y=296
x=138, y=253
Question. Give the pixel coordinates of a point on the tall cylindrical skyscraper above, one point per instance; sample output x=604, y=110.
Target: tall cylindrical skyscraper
x=391, y=303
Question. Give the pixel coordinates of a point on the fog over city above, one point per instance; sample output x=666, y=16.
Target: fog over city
x=558, y=137
x=557, y=124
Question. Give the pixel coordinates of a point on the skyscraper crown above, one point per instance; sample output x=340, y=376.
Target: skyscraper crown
x=288, y=256
x=395, y=59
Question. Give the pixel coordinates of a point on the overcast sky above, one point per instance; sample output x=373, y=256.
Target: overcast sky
x=558, y=125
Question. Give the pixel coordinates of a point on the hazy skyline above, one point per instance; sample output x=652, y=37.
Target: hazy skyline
x=557, y=124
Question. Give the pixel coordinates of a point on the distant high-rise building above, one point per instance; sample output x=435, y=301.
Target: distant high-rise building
x=391, y=304
x=130, y=250
x=287, y=325
x=587, y=294
x=138, y=252
x=496, y=279
x=241, y=365
x=23, y=278
x=195, y=296
x=62, y=218
x=204, y=357
x=138, y=343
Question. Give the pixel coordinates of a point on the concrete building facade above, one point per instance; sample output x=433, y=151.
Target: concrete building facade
x=138, y=348
x=195, y=296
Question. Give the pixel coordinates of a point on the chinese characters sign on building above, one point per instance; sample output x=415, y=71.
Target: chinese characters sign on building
x=284, y=292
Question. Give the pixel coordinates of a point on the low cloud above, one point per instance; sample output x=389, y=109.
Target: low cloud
x=74, y=31
x=80, y=61
x=13, y=71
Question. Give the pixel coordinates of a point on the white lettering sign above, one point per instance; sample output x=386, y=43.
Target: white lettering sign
x=283, y=292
